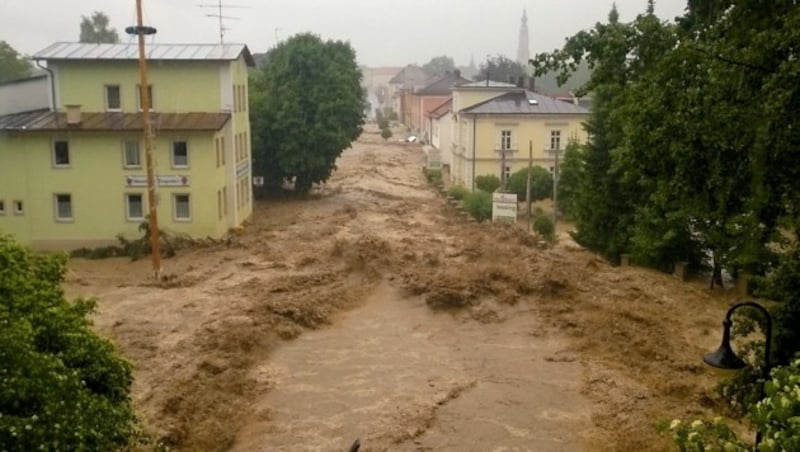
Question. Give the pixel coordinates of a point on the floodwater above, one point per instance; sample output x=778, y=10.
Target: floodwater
x=402, y=377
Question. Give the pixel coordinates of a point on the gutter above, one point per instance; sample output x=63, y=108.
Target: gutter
x=52, y=84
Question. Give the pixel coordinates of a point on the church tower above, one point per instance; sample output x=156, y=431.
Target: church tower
x=523, y=53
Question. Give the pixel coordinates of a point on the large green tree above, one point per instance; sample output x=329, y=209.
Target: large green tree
x=12, y=65
x=61, y=386
x=439, y=65
x=307, y=107
x=95, y=29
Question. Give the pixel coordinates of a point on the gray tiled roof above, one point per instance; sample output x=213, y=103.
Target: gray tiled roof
x=523, y=102
x=443, y=85
x=90, y=51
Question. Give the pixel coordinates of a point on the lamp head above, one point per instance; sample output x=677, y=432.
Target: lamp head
x=724, y=357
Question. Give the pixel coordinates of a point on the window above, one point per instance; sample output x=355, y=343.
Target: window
x=2, y=207
x=225, y=200
x=181, y=209
x=216, y=150
x=63, y=207
x=219, y=204
x=246, y=145
x=113, y=98
x=149, y=96
x=60, y=153
x=555, y=140
x=180, y=154
x=134, y=206
x=222, y=148
x=131, y=158
x=19, y=208
x=505, y=140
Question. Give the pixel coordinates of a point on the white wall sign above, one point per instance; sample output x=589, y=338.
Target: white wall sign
x=161, y=181
x=258, y=181
x=504, y=207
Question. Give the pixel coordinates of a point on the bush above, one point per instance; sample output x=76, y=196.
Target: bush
x=434, y=176
x=543, y=225
x=776, y=417
x=478, y=204
x=458, y=192
x=386, y=133
x=488, y=183
x=541, y=183
x=61, y=386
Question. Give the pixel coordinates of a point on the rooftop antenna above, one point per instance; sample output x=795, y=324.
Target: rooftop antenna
x=219, y=6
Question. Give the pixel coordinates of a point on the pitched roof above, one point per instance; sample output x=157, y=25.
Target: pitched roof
x=441, y=110
x=44, y=121
x=524, y=102
x=442, y=85
x=410, y=76
x=181, y=52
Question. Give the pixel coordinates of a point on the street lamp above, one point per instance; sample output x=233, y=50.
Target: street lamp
x=725, y=357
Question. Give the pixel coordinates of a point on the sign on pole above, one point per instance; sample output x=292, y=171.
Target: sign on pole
x=504, y=207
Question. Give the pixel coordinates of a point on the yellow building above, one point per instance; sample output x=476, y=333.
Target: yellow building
x=74, y=175
x=495, y=123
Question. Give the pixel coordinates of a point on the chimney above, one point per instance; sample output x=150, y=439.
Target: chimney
x=73, y=115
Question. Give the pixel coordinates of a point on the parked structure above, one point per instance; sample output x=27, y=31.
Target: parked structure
x=72, y=175
x=494, y=124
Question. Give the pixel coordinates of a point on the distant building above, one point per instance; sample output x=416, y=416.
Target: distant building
x=424, y=100
x=494, y=124
x=73, y=174
x=441, y=126
x=376, y=82
x=408, y=80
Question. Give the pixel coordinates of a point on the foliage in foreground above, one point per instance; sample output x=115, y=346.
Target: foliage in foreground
x=61, y=386
x=307, y=107
x=777, y=417
x=543, y=225
x=487, y=182
x=457, y=192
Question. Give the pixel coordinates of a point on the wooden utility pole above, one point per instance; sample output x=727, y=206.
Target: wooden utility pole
x=144, y=93
x=528, y=184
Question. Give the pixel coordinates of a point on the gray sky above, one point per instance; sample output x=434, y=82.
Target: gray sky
x=383, y=32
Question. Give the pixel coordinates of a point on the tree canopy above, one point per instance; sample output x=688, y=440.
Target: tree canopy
x=61, y=386
x=12, y=64
x=500, y=69
x=439, y=65
x=693, y=147
x=95, y=29
x=307, y=107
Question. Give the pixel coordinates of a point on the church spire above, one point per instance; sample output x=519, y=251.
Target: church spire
x=523, y=52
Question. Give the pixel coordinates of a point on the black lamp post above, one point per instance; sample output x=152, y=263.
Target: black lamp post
x=725, y=358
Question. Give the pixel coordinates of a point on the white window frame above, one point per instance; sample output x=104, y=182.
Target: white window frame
x=128, y=207
x=139, y=97
x=55, y=158
x=175, y=216
x=172, y=154
x=125, y=163
x=505, y=140
x=555, y=139
x=19, y=207
x=106, y=97
x=58, y=217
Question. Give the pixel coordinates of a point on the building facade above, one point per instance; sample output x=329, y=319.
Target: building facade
x=74, y=175
x=493, y=136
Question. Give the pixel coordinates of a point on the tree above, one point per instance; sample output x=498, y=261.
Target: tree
x=61, y=386
x=307, y=107
x=541, y=183
x=95, y=29
x=501, y=69
x=12, y=65
x=386, y=133
x=570, y=172
x=487, y=182
x=439, y=65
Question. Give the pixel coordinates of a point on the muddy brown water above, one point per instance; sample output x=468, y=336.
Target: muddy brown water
x=401, y=377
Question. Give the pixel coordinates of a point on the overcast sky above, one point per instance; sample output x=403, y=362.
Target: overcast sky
x=383, y=32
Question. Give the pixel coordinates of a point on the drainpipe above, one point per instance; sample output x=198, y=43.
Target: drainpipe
x=52, y=85
x=474, y=120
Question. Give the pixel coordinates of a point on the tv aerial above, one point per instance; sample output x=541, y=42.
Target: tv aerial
x=220, y=8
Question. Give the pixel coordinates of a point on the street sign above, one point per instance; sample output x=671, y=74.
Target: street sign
x=258, y=181
x=504, y=207
x=161, y=181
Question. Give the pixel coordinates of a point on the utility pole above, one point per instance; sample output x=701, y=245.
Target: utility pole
x=144, y=92
x=555, y=189
x=528, y=183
